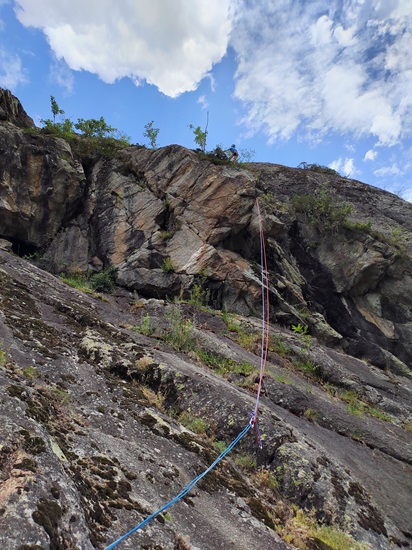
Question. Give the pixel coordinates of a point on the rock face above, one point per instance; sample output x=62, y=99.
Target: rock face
x=93, y=410
x=103, y=395
x=11, y=110
x=41, y=184
x=166, y=218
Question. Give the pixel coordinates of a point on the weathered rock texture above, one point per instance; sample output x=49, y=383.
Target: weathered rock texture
x=11, y=110
x=95, y=398
x=352, y=286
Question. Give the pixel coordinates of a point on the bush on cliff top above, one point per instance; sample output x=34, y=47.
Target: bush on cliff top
x=321, y=210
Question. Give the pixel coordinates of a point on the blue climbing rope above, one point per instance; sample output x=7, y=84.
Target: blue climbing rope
x=184, y=491
x=254, y=414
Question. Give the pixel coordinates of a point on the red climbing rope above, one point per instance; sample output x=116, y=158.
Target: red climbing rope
x=265, y=321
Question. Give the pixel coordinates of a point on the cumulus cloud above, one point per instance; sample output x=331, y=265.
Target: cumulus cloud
x=11, y=70
x=313, y=68
x=370, y=155
x=170, y=44
x=344, y=166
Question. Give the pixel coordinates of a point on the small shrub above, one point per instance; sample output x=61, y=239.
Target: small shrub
x=354, y=405
x=273, y=202
x=31, y=372
x=223, y=365
x=265, y=479
x=279, y=346
x=358, y=408
x=76, y=280
x=62, y=396
x=281, y=378
x=249, y=341
x=166, y=235
x=193, y=423
x=307, y=366
x=372, y=411
x=407, y=426
x=395, y=240
x=234, y=327
x=217, y=156
x=364, y=227
x=91, y=283
x=220, y=446
x=300, y=329
x=167, y=266
x=199, y=296
x=304, y=337
x=321, y=210
x=311, y=414
x=318, y=168
x=145, y=327
x=246, y=462
x=154, y=399
x=3, y=358
x=302, y=530
x=226, y=317
x=179, y=332
x=244, y=368
x=334, y=538
x=104, y=281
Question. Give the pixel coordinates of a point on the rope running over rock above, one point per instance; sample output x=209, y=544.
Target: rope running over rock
x=254, y=414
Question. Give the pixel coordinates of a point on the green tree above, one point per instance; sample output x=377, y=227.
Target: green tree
x=55, y=108
x=101, y=136
x=151, y=134
x=94, y=128
x=200, y=136
x=64, y=127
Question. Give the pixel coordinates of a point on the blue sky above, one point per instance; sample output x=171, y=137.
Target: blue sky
x=325, y=81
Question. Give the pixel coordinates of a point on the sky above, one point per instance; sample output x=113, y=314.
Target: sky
x=288, y=81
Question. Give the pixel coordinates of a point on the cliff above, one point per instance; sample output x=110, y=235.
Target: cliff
x=112, y=403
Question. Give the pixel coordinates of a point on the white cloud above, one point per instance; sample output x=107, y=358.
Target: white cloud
x=318, y=67
x=407, y=195
x=370, y=155
x=392, y=170
x=212, y=81
x=344, y=166
x=170, y=44
x=61, y=73
x=203, y=102
x=11, y=71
